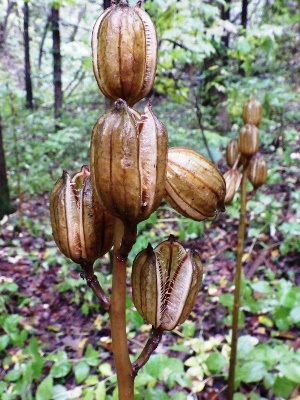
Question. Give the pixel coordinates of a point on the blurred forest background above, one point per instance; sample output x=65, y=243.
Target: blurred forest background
x=54, y=343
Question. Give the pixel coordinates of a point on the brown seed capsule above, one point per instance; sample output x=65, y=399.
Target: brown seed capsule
x=165, y=283
x=233, y=180
x=124, y=47
x=249, y=140
x=252, y=112
x=258, y=172
x=128, y=162
x=232, y=152
x=194, y=187
x=82, y=230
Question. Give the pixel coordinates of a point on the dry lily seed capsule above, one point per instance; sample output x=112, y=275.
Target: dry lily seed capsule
x=128, y=162
x=258, y=172
x=232, y=179
x=232, y=152
x=249, y=140
x=165, y=283
x=82, y=230
x=124, y=47
x=252, y=112
x=194, y=187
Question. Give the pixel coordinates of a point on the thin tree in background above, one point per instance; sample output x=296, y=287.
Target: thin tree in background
x=225, y=15
x=3, y=23
x=5, y=205
x=28, y=81
x=244, y=15
x=57, y=70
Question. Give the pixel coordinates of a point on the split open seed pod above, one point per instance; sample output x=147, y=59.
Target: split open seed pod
x=249, y=140
x=124, y=48
x=194, y=186
x=233, y=180
x=82, y=230
x=165, y=283
x=252, y=112
x=128, y=162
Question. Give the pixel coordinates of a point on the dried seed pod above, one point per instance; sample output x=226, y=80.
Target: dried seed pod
x=252, y=112
x=194, y=187
x=249, y=140
x=258, y=172
x=232, y=152
x=165, y=283
x=124, y=48
x=82, y=230
x=128, y=162
x=233, y=180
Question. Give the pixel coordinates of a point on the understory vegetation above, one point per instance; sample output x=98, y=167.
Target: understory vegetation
x=54, y=339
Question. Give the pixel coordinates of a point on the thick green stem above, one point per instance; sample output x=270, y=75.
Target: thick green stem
x=237, y=282
x=117, y=310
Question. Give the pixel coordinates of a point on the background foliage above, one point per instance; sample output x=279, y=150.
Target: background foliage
x=200, y=88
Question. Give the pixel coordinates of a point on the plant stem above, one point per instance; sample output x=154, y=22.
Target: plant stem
x=117, y=310
x=237, y=283
x=151, y=345
x=94, y=284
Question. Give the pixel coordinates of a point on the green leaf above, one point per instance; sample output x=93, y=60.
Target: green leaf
x=13, y=375
x=295, y=314
x=44, y=390
x=262, y=287
x=89, y=394
x=11, y=322
x=215, y=362
x=226, y=300
x=283, y=387
x=178, y=396
x=60, y=369
x=105, y=369
x=4, y=340
x=9, y=287
x=81, y=371
x=252, y=371
x=155, y=365
x=290, y=371
x=245, y=344
x=100, y=391
x=156, y=394
x=91, y=356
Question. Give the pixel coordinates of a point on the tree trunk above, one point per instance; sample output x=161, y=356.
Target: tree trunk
x=28, y=81
x=57, y=73
x=225, y=15
x=244, y=17
x=3, y=24
x=5, y=205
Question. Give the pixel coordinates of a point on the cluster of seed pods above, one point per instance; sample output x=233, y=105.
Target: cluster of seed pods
x=131, y=170
x=243, y=152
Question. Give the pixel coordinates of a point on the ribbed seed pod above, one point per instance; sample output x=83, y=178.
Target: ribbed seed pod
x=232, y=152
x=165, y=283
x=233, y=180
x=252, y=112
x=249, y=140
x=128, y=162
x=194, y=187
x=124, y=48
x=82, y=230
x=258, y=172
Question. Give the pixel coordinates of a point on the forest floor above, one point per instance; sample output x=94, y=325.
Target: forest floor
x=58, y=322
